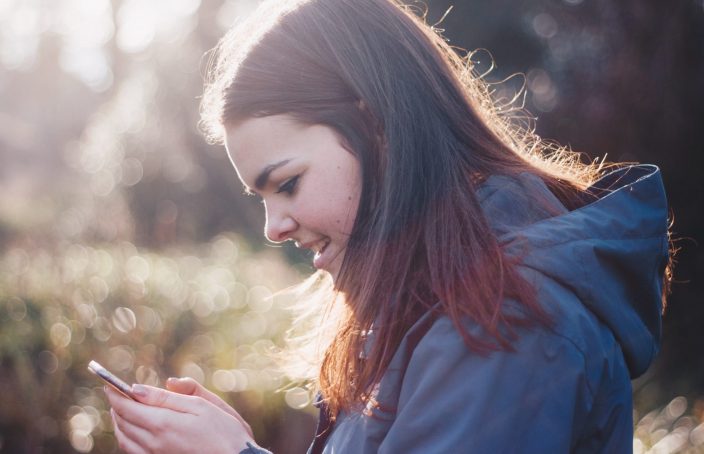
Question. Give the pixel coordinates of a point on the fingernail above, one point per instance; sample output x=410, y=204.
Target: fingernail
x=139, y=390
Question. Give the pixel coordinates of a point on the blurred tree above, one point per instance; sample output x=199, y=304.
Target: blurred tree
x=102, y=170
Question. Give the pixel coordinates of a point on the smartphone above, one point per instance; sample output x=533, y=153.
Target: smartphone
x=119, y=385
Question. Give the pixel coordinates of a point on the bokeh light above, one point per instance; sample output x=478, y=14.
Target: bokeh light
x=117, y=221
x=297, y=397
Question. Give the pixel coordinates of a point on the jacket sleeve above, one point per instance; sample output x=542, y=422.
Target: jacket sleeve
x=454, y=400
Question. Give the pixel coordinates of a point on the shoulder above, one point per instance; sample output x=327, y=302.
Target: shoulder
x=570, y=353
x=436, y=392
x=450, y=390
x=539, y=349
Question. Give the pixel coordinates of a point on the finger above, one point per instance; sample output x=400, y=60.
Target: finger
x=137, y=434
x=158, y=397
x=187, y=385
x=125, y=443
x=136, y=413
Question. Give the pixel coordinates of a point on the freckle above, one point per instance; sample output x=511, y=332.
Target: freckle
x=349, y=198
x=338, y=221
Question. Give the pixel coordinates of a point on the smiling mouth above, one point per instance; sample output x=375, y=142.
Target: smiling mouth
x=322, y=248
x=320, y=259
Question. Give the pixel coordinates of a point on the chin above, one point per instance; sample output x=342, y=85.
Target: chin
x=333, y=268
x=334, y=272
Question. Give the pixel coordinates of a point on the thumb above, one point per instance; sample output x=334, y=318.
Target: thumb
x=158, y=397
x=185, y=385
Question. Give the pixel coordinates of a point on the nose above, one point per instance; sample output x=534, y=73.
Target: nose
x=279, y=225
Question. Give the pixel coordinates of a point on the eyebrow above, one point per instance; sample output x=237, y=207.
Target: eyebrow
x=263, y=178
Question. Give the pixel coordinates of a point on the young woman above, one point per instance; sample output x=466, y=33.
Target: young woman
x=491, y=293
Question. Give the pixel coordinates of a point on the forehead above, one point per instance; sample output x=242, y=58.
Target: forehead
x=260, y=138
x=256, y=143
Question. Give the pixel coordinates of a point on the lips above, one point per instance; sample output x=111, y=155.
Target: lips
x=319, y=248
x=321, y=258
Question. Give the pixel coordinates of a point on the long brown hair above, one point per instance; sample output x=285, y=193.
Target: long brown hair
x=426, y=133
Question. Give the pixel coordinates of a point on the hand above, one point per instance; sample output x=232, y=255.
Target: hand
x=187, y=385
x=168, y=422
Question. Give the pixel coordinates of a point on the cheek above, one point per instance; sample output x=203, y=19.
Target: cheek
x=348, y=204
x=338, y=194
x=335, y=210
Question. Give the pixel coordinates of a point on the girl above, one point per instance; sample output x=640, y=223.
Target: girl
x=491, y=293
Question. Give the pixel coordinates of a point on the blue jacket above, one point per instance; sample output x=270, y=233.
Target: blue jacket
x=598, y=270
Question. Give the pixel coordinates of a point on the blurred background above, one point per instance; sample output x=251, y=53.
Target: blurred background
x=125, y=238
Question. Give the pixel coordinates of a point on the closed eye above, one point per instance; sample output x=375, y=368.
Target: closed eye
x=289, y=186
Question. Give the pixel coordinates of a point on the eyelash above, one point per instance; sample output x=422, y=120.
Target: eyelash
x=289, y=186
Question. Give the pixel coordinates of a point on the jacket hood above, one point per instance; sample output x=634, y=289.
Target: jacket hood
x=611, y=252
